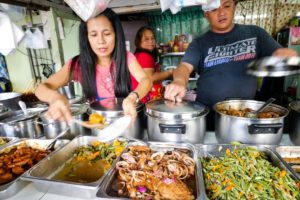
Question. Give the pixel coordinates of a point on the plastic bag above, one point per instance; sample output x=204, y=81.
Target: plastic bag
x=176, y=5
x=87, y=9
x=211, y=5
x=11, y=35
x=38, y=40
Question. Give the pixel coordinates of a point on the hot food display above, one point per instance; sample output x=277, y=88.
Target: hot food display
x=16, y=160
x=245, y=111
x=247, y=173
x=153, y=171
x=90, y=162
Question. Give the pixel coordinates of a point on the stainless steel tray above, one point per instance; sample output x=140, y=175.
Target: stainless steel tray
x=11, y=188
x=291, y=155
x=9, y=140
x=106, y=191
x=41, y=173
x=218, y=150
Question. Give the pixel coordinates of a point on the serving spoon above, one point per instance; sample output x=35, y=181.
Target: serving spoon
x=254, y=114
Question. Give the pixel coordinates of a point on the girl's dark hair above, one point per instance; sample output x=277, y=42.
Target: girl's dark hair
x=88, y=60
x=138, y=41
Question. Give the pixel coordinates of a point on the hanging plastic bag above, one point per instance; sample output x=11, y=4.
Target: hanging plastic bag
x=38, y=40
x=87, y=9
x=28, y=39
x=11, y=35
x=211, y=5
x=176, y=5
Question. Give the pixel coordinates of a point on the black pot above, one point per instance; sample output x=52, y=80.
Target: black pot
x=295, y=122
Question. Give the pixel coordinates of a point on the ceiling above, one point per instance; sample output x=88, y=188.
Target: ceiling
x=120, y=6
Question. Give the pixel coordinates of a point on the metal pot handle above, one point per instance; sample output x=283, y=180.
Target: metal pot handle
x=172, y=128
x=264, y=128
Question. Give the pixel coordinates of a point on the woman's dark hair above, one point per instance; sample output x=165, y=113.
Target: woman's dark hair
x=138, y=41
x=88, y=60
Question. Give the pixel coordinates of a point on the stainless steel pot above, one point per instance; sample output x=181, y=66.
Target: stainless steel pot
x=176, y=122
x=248, y=130
x=68, y=90
x=10, y=100
x=295, y=122
x=112, y=109
x=16, y=124
x=53, y=128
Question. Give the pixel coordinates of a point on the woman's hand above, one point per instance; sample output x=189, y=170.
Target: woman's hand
x=59, y=109
x=129, y=106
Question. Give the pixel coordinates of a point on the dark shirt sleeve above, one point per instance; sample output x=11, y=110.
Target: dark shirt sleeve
x=266, y=44
x=193, y=54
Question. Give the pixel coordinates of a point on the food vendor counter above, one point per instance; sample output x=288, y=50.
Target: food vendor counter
x=30, y=192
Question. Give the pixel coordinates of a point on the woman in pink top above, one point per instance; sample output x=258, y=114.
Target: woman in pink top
x=103, y=68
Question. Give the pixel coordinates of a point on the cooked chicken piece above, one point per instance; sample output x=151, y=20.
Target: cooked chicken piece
x=96, y=118
x=176, y=190
x=17, y=170
x=5, y=178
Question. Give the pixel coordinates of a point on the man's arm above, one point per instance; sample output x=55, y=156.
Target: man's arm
x=177, y=88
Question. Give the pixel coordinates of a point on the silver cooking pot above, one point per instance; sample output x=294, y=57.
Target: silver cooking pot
x=10, y=100
x=16, y=124
x=295, y=122
x=248, y=130
x=53, y=128
x=112, y=109
x=176, y=122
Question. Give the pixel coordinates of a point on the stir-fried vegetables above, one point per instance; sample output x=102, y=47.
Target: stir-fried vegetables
x=100, y=151
x=245, y=173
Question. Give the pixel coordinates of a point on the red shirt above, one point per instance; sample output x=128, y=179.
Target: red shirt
x=146, y=61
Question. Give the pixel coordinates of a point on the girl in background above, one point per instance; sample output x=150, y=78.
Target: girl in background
x=146, y=55
x=103, y=68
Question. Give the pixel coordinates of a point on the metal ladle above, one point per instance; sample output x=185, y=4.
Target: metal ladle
x=254, y=114
x=52, y=144
x=23, y=107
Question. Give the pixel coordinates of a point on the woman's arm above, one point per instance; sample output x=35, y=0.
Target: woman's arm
x=58, y=103
x=158, y=76
x=144, y=86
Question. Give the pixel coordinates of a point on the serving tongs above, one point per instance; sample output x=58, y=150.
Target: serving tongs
x=254, y=114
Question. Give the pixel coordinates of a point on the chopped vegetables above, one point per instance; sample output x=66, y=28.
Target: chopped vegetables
x=245, y=173
x=100, y=150
x=96, y=118
x=2, y=141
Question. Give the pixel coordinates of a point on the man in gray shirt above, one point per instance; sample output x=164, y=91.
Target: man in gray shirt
x=221, y=56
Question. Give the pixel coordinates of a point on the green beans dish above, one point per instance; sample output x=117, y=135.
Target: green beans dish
x=246, y=173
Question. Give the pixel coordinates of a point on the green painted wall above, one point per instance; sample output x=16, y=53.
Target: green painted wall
x=18, y=62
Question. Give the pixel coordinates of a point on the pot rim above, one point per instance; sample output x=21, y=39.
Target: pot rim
x=285, y=110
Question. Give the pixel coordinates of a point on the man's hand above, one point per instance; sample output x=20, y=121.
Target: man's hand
x=175, y=91
x=285, y=52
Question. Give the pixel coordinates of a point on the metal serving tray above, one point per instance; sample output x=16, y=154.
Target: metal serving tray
x=11, y=188
x=9, y=140
x=42, y=173
x=218, y=150
x=106, y=191
x=292, y=153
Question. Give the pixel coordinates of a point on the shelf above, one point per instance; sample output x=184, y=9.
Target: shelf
x=173, y=54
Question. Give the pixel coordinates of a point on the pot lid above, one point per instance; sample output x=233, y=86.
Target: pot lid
x=18, y=116
x=274, y=66
x=295, y=105
x=111, y=107
x=180, y=110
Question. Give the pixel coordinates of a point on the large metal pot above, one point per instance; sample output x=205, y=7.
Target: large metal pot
x=176, y=122
x=53, y=128
x=10, y=100
x=295, y=122
x=16, y=124
x=248, y=130
x=112, y=109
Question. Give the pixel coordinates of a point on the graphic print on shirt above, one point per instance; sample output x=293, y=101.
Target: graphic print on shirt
x=237, y=51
